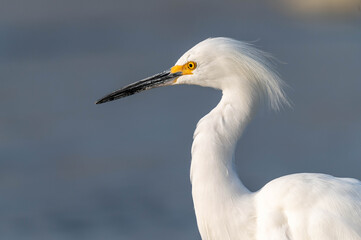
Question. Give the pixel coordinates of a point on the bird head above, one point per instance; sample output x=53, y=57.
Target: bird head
x=220, y=63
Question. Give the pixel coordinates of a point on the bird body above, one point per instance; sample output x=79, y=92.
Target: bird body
x=294, y=207
x=309, y=206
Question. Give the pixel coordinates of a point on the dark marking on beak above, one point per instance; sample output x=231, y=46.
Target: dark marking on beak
x=161, y=79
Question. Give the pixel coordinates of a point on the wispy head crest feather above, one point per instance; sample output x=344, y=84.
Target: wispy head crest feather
x=261, y=66
x=254, y=65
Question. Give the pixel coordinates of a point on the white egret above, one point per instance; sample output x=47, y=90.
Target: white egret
x=299, y=206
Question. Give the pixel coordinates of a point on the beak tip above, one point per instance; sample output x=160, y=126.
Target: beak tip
x=100, y=101
x=105, y=99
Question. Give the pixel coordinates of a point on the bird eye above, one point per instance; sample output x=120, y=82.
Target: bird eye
x=191, y=65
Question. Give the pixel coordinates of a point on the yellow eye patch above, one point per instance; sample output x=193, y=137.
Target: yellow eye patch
x=185, y=69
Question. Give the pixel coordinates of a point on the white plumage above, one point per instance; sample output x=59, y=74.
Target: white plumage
x=294, y=207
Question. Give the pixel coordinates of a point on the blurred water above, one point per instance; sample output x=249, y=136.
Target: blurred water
x=72, y=170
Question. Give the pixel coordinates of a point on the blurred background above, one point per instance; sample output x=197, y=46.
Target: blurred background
x=70, y=169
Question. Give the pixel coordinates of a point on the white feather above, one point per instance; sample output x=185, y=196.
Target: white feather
x=297, y=207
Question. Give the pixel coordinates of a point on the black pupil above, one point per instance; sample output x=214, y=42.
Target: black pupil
x=190, y=65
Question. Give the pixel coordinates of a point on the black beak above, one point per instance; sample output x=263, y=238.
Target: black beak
x=161, y=79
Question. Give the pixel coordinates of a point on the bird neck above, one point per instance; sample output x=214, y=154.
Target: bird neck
x=216, y=136
x=216, y=188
